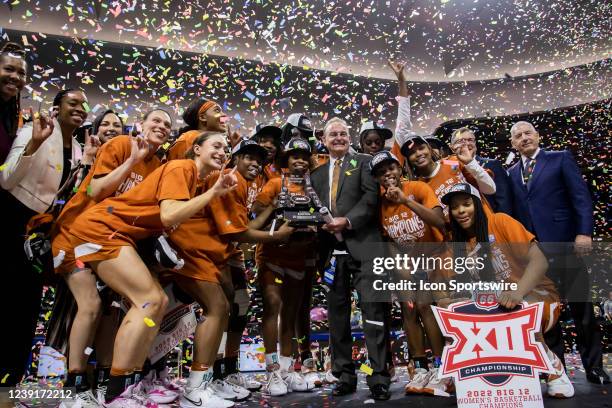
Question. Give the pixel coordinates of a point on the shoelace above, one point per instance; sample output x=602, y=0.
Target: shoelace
x=88, y=397
x=275, y=378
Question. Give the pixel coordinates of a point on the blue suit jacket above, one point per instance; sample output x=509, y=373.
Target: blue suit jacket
x=501, y=201
x=556, y=205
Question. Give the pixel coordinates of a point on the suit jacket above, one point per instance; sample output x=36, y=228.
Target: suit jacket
x=501, y=201
x=357, y=200
x=556, y=205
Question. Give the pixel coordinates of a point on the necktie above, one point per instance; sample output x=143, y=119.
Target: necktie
x=334, y=186
x=529, y=165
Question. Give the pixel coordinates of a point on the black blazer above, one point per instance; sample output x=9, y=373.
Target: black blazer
x=357, y=200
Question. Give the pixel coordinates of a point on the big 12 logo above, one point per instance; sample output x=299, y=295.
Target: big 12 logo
x=490, y=343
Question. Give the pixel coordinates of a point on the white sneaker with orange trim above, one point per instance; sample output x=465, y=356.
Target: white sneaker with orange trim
x=420, y=378
x=442, y=387
x=558, y=384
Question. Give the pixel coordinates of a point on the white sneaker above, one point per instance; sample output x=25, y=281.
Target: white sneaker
x=275, y=386
x=559, y=384
x=85, y=399
x=309, y=371
x=203, y=396
x=229, y=391
x=419, y=380
x=243, y=381
x=158, y=393
x=132, y=397
x=330, y=378
x=441, y=387
x=296, y=381
x=393, y=375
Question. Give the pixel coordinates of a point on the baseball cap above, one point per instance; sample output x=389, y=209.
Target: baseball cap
x=266, y=129
x=461, y=188
x=249, y=146
x=381, y=158
x=409, y=142
x=371, y=125
x=436, y=142
x=300, y=121
x=298, y=143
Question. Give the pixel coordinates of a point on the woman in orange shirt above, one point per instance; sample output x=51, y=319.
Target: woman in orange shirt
x=122, y=163
x=201, y=115
x=511, y=254
x=411, y=217
x=269, y=137
x=282, y=271
x=105, y=236
x=205, y=243
x=421, y=162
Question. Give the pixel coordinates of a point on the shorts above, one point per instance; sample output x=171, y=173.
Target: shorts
x=63, y=255
x=270, y=274
x=91, y=252
x=551, y=309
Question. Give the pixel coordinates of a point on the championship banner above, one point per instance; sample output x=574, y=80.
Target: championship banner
x=494, y=358
x=179, y=323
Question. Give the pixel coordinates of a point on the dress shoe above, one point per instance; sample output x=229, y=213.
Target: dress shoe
x=343, y=388
x=598, y=376
x=380, y=392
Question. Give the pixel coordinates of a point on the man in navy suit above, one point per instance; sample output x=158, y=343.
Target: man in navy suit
x=501, y=201
x=552, y=201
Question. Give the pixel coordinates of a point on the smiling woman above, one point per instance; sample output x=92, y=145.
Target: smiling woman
x=39, y=167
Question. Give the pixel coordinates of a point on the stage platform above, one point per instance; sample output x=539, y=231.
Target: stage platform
x=587, y=396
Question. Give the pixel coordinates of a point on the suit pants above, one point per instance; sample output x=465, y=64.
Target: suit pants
x=374, y=324
x=570, y=275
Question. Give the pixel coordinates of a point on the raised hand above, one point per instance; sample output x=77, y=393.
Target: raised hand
x=397, y=67
x=463, y=153
x=42, y=126
x=92, y=144
x=395, y=195
x=140, y=149
x=226, y=182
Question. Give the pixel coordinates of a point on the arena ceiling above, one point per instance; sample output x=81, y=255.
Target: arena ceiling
x=440, y=40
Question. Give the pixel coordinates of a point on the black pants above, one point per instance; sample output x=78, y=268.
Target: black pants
x=374, y=324
x=22, y=283
x=570, y=275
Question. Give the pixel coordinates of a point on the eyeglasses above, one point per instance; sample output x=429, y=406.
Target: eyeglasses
x=466, y=140
x=338, y=134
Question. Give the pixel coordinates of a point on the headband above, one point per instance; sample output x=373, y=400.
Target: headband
x=206, y=106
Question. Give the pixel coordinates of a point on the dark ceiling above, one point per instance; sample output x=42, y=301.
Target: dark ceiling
x=443, y=40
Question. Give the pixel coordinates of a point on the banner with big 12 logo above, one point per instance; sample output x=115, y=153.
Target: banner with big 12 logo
x=494, y=357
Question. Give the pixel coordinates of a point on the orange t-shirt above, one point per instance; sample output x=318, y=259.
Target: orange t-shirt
x=110, y=156
x=202, y=241
x=182, y=145
x=271, y=172
x=509, y=243
x=135, y=215
x=295, y=254
x=403, y=225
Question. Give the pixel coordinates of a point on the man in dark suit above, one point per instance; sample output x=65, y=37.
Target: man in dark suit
x=501, y=201
x=347, y=187
x=552, y=201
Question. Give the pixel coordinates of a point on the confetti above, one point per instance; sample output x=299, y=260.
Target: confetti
x=149, y=322
x=88, y=351
x=366, y=369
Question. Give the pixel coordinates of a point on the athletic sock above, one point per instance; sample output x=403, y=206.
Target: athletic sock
x=231, y=365
x=421, y=362
x=78, y=381
x=218, y=369
x=101, y=375
x=117, y=384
